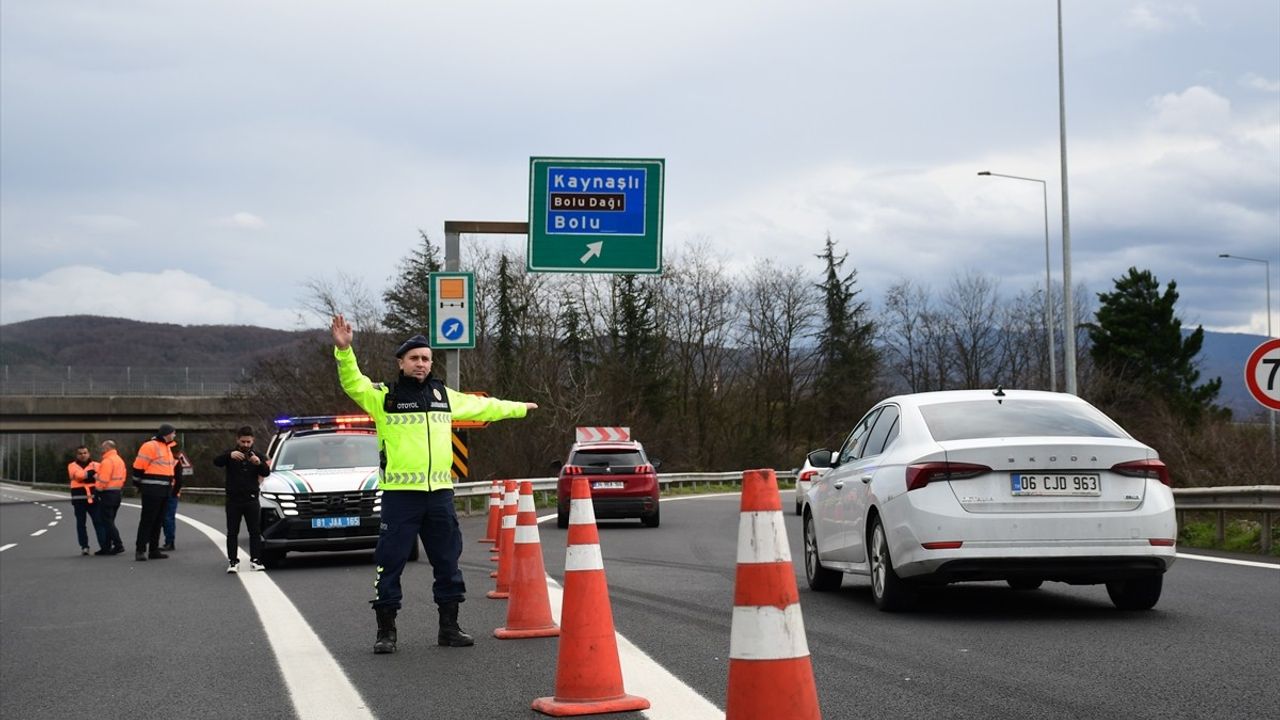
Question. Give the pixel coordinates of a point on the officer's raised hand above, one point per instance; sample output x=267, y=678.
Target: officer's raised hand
x=342, y=332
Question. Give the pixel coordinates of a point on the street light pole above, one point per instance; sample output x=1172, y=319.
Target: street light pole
x=1267, y=266
x=1048, y=281
x=1068, y=308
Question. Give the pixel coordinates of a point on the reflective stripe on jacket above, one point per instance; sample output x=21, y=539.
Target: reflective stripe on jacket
x=80, y=478
x=111, y=472
x=417, y=447
x=155, y=459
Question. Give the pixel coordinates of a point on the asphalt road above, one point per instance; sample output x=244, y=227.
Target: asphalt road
x=110, y=637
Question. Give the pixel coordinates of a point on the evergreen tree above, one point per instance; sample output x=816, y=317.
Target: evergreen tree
x=848, y=363
x=1138, y=340
x=408, y=299
x=637, y=345
x=571, y=346
x=508, y=323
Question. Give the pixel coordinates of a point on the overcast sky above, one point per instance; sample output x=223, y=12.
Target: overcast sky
x=197, y=162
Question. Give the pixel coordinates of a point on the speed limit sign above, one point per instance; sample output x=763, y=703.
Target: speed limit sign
x=1262, y=373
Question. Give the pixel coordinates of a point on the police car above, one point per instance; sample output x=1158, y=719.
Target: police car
x=322, y=493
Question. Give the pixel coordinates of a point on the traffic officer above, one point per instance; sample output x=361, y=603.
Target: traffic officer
x=111, y=477
x=153, y=476
x=413, y=417
x=81, y=473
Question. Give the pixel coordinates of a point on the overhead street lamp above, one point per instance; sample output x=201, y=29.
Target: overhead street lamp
x=1068, y=304
x=1267, y=266
x=1048, y=282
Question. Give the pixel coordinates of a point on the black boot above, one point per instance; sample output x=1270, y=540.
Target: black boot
x=386, y=642
x=450, y=634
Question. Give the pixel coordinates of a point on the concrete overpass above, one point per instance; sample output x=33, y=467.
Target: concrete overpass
x=117, y=413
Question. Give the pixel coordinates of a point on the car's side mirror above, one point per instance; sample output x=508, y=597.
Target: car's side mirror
x=820, y=458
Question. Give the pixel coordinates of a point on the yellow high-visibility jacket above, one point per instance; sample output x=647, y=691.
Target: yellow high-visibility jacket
x=416, y=439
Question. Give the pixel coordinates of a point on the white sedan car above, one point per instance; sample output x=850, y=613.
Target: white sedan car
x=1019, y=485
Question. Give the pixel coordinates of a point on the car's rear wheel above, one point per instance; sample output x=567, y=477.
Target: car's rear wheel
x=820, y=578
x=887, y=589
x=799, y=505
x=1140, y=593
x=652, y=519
x=562, y=517
x=1025, y=583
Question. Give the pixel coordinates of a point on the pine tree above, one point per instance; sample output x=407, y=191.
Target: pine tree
x=408, y=299
x=1138, y=340
x=848, y=363
x=508, y=322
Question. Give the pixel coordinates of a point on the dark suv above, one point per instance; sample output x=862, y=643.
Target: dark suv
x=624, y=483
x=322, y=491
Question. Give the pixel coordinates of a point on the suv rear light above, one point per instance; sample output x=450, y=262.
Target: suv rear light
x=922, y=474
x=1152, y=469
x=571, y=470
x=645, y=469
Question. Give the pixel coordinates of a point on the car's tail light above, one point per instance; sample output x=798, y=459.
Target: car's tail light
x=571, y=470
x=1162, y=542
x=1153, y=469
x=944, y=545
x=922, y=474
x=807, y=475
x=645, y=469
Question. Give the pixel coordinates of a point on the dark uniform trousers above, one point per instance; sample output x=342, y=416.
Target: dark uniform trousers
x=151, y=518
x=86, y=510
x=108, y=502
x=406, y=516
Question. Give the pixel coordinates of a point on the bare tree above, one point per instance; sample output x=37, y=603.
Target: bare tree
x=971, y=303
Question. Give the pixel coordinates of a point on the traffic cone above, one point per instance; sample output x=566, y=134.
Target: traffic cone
x=495, y=514
x=506, y=541
x=588, y=674
x=770, y=673
x=529, y=609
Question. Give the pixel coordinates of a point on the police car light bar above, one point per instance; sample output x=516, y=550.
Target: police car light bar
x=318, y=420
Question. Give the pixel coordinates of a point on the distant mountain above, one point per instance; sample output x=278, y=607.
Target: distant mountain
x=79, y=340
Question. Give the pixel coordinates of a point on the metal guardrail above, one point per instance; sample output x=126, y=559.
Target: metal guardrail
x=1263, y=499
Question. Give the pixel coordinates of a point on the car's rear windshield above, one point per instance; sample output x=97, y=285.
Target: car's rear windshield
x=1016, y=417
x=606, y=458
x=328, y=451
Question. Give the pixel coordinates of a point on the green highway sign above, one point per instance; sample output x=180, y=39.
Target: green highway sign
x=595, y=215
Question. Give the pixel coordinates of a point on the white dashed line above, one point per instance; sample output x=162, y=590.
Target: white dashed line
x=39, y=532
x=55, y=522
x=6, y=547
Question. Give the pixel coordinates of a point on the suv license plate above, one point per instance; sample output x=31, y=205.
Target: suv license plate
x=1070, y=484
x=336, y=522
x=609, y=485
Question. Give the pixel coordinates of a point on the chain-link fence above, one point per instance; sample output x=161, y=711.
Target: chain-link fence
x=120, y=380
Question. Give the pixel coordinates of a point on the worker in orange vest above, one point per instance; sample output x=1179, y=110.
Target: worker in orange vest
x=82, y=472
x=108, y=491
x=153, y=476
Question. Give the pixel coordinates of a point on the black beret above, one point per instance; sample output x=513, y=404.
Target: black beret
x=417, y=341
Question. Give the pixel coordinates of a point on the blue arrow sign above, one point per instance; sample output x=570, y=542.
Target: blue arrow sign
x=452, y=329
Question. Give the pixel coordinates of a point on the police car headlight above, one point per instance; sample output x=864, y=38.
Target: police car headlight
x=269, y=496
x=290, y=512
x=288, y=504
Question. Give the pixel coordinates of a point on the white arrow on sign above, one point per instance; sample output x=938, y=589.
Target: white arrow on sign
x=593, y=250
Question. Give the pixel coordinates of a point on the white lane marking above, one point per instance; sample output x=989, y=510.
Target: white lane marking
x=6, y=547
x=39, y=532
x=55, y=522
x=669, y=698
x=1230, y=561
x=317, y=685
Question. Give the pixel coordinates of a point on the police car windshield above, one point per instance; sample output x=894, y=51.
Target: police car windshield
x=329, y=451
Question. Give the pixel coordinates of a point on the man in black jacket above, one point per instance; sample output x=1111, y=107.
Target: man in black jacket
x=245, y=470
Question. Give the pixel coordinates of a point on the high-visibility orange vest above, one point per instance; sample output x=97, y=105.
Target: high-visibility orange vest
x=111, y=472
x=80, y=478
x=155, y=460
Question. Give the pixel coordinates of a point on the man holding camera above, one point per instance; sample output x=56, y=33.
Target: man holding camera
x=245, y=470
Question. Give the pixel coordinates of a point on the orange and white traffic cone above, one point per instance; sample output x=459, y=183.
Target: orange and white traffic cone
x=495, y=514
x=508, y=499
x=529, y=609
x=506, y=543
x=770, y=673
x=588, y=673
